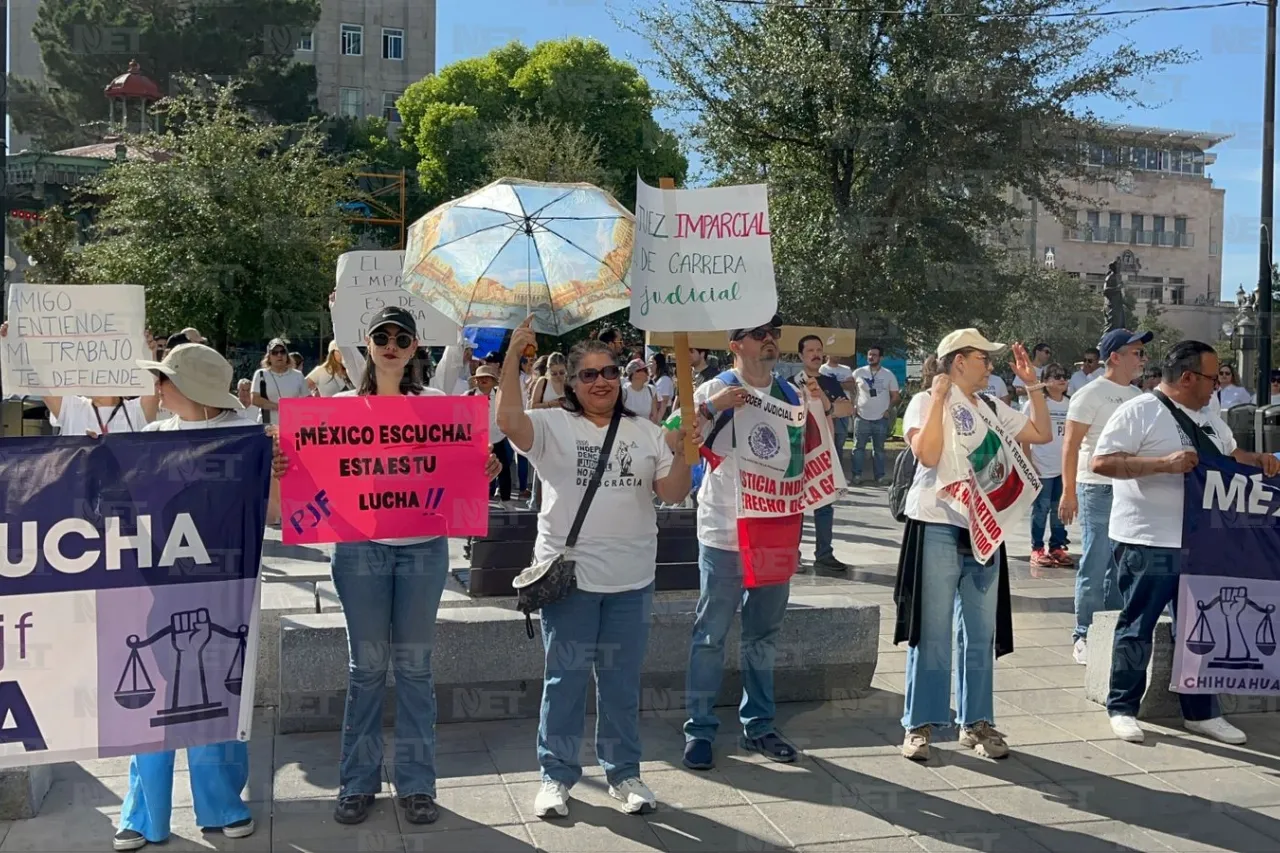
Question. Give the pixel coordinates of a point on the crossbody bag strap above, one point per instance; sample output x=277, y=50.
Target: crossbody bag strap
x=1200, y=439
x=601, y=464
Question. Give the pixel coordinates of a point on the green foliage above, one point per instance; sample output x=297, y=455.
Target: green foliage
x=890, y=142
x=546, y=150
x=236, y=232
x=1164, y=335
x=51, y=246
x=450, y=118
x=84, y=44
x=1055, y=309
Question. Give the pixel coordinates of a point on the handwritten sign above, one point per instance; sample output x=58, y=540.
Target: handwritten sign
x=702, y=260
x=364, y=468
x=76, y=339
x=367, y=282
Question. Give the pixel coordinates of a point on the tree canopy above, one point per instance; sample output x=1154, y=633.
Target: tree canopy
x=450, y=118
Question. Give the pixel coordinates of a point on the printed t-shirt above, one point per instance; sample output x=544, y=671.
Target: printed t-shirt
x=1048, y=457
x=874, y=392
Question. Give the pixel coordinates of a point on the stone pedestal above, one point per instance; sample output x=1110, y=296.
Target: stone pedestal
x=22, y=790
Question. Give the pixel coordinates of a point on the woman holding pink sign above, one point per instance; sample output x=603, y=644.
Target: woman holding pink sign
x=390, y=591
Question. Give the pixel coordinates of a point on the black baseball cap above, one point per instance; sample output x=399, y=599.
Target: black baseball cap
x=393, y=316
x=739, y=334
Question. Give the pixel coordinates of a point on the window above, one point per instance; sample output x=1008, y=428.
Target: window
x=1115, y=226
x=305, y=42
x=1177, y=295
x=352, y=40
x=392, y=44
x=389, y=111
x=1157, y=224
x=351, y=103
x=1094, y=231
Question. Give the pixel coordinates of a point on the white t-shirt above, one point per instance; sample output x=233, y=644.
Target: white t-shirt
x=922, y=499
x=228, y=418
x=1092, y=407
x=1017, y=380
x=618, y=546
x=638, y=402
x=279, y=386
x=495, y=434
x=1232, y=395
x=996, y=387
x=1079, y=379
x=873, y=406
x=1048, y=457
x=841, y=372
x=411, y=540
x=76, y=417
x=665, y=387
x=1148, y=510
x=327, y=384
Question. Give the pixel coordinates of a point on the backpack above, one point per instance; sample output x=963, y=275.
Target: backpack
x=904, y=473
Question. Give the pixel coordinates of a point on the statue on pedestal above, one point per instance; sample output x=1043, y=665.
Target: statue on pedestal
x=1113, y=293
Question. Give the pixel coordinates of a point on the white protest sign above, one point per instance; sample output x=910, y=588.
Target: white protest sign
x=702, y=260
x=367, y=282
x=81, y=339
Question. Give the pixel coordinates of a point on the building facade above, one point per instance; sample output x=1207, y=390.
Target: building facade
x=1163, y=219
x=367, y=52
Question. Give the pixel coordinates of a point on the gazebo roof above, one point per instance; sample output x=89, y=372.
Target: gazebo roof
x=133, y=84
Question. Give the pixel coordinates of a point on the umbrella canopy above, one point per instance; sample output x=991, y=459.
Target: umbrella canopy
x=561, y=252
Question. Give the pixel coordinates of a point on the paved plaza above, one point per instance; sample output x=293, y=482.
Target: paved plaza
x=1068, y=786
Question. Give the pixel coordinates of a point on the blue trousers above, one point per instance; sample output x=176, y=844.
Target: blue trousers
x=1096, y=587
x=1045, y=509
x=824, y=520
x=763, y=609
x=607, y=633
x=390, y=595
x=874, y=431
x=218, y=774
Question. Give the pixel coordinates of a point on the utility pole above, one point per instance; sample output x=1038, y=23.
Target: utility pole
x=4, y=151
x=1267, y=225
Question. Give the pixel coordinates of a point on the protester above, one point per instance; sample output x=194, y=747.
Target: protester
x=874, y=411
x=486, y=385
x=995, y=386
x=1090, y=369
x=703, y=370
x=811, y=356
x=244, y=393
x=192, y=383
x=614, y=565
x=295, y=358
x=663, y=385
x=329, y=378
x=1274, y=393
x=275, y=380
x=390, y=593
x=1048, y=462
x=611, y=338
x=1087, y=493
x=1150, y=378
x=193, y=335
x=549, y=390
x=942, y=590
x=1230, y=392
x=638, y=395
x=843, y=374
x=1145, y=448
x=1041, y=355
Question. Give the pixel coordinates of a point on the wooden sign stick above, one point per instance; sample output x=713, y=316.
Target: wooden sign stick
x=684, y=374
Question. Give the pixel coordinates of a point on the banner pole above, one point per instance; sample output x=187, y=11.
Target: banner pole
x=684, y=373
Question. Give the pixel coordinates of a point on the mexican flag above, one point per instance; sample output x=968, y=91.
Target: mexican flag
x=993, y=484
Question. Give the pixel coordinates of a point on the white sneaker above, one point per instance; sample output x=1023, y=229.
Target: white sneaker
x=1127, y=728
x=635, y=796
x=552, y=800
x=240, y=829
x=1218, y=729
x=1080, y=652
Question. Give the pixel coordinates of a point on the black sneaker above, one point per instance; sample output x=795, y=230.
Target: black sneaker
x=128, y=839
x=831, y=564
x=771, y=746
x=420, y=808
x=353, y=809
x=698, y=755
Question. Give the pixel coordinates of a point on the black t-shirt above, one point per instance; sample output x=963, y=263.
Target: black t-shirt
x=829, y=385
x=707, y=374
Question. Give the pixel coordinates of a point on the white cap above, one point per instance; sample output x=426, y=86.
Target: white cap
x=201, y=374
x=966, y=339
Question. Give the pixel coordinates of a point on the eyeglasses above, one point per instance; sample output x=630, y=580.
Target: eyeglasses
x=404, y=340
x=279, y=352
x=1224, y=372
x=759, y=334
x=1062, y=377
x=591, y=374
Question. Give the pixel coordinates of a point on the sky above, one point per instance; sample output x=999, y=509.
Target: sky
x=1220, y=91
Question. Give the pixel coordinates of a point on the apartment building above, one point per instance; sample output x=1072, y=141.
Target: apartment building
x=1163, y=219
x=366, y=52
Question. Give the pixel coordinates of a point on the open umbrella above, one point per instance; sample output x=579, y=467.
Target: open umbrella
x=561, y=252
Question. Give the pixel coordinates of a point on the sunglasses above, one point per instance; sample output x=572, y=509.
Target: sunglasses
x=759, y=334
x=403, y=340
x=279, y=352
x=590, y=374
x=1061, y=376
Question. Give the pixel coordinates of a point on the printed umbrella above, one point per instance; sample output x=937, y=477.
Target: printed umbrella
x=561, y=252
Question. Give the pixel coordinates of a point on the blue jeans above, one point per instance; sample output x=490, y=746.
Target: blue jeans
x=219, y=773
x=824, y=520
x=390, y=595
x=874, y=431
x=1046, y=505
x=1148, y=581
x=840, y=436
x=1096, y=574
x=607, y=632
x=763, y=609
x=956, y=587
x=522, y=470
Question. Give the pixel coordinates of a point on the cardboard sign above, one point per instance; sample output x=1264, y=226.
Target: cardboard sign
x=702, y=259
x=363, y=468
x=366, y=283
x=76, y=339
x=842, y=343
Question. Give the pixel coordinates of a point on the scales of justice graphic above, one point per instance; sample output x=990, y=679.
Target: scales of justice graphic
x=190, y=632
x=1232, y=602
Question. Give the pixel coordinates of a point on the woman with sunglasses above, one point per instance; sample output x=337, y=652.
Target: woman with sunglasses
x=276, y=379
x=1048, y=461
x=390, y=592
x=615, y=563
x=1230, y=392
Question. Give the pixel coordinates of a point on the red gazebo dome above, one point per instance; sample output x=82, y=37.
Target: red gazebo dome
x=133, y=84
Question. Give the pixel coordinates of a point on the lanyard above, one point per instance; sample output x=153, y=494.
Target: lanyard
x=103, y=427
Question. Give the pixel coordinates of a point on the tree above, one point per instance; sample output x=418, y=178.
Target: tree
x=237, y=231
x=51, y=247
x=1163, y=334
x=1053, y=308
x=86, y=43
x=546, y=150
x=891, y=139
x=450, y=117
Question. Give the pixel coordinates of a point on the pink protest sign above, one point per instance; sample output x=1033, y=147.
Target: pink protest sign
x=365, y=468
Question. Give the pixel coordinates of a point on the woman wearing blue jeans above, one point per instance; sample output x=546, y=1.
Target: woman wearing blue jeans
x=603, y=624
x=390, y=591
x=942, y=589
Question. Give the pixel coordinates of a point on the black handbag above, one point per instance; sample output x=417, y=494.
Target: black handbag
x=552, y=580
